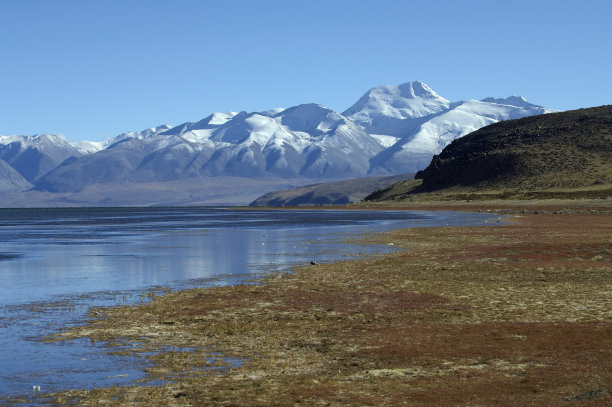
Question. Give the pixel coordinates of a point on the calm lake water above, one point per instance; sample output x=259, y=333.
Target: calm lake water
x=56, y=263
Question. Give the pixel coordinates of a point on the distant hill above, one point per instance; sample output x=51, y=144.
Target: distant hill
x=328, y=193
x=563, y=155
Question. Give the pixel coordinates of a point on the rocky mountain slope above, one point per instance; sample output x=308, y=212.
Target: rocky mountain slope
x=555, y=155
x=10, y=179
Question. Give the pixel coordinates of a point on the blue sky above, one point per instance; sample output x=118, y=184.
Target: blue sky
x=93, y=69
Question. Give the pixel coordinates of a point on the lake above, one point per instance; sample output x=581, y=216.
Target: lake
x=56, y=263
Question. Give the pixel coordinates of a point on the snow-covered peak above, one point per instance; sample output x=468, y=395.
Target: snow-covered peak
x=247, y=128
x=307, y=110
x=407, y=101
x=90, y=147
x=310, y=118
x=517, y=101
x=144, y=134
x=511, y=100
x=210, y=122
x=37, y=141
x=4, y=140
x=500, y=109
x=50, y=138
x=417, y=89
x=33, y=156
x=18, y=139
x=272, y=112
x=218, y=119
x=48, y=142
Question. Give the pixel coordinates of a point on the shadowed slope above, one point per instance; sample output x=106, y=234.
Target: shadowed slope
x=328, y=193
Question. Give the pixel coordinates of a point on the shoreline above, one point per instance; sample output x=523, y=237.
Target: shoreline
x=507, y=206
x=389, y=329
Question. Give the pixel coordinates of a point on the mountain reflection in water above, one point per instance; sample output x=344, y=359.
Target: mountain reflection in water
x=56, y=263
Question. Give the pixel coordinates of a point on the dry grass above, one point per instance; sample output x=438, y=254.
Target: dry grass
x=511, y=315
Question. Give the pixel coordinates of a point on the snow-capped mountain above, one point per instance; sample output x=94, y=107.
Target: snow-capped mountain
x=419, y=123
x=389, y=130
x=308, y=141
x=34, y=156
x=89, y=147
x=396, y=110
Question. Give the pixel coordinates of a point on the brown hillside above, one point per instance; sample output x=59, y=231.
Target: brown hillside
x=554, y=155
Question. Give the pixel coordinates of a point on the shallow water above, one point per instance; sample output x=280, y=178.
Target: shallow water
x=56, y=263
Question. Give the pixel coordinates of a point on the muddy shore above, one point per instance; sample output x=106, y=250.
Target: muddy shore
x=517, y=314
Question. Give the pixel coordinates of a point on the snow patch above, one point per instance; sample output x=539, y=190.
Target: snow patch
x=384, y=140
x=90, y=147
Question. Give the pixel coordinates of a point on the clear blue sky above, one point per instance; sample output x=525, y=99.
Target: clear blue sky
x=93, y=69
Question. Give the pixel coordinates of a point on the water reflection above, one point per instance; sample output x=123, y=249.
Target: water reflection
x=81, y=257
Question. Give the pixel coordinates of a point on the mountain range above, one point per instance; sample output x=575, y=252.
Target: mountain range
x=232, y=158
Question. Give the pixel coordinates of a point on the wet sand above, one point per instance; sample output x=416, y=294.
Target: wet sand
x=515, y=314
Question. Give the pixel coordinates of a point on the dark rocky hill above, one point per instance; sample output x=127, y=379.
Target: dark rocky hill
x=567, y=154
x=328, y=193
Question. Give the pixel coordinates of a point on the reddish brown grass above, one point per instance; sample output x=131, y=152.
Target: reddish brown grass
x=510, y=315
